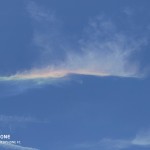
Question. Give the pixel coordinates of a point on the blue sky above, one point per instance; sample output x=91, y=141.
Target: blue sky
x=75, y=74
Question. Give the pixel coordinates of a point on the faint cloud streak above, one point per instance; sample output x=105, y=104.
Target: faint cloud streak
x=15, y=147
x=142, y=139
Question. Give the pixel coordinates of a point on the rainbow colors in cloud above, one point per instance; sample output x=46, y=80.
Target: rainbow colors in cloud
x=102, y=52
x=48, y=74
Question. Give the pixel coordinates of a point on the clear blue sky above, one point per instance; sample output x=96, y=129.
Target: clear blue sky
x=76, y=112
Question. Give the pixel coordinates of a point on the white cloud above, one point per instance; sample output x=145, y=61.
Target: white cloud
x=114, y=144
x=47, y=36
x=128, y=11
x=102, y=51
x=105, y=144
x=110, y=56
x=13, y=122
x=15, y=147
x=17, y=119
x=142, y=140
x=38, y=13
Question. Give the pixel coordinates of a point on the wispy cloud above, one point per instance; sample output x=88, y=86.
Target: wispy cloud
x=142, y=140
x=19, y=119
x=105, y=144
x=47, y=33
x=13, y=122
x=103, y=50
x=38, y=13
x=15, y=147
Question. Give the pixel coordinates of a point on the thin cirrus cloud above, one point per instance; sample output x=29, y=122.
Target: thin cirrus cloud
x=103, y=51
x=141, y=140
x=14, y=122
x=7, y=119
x=15, y=147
